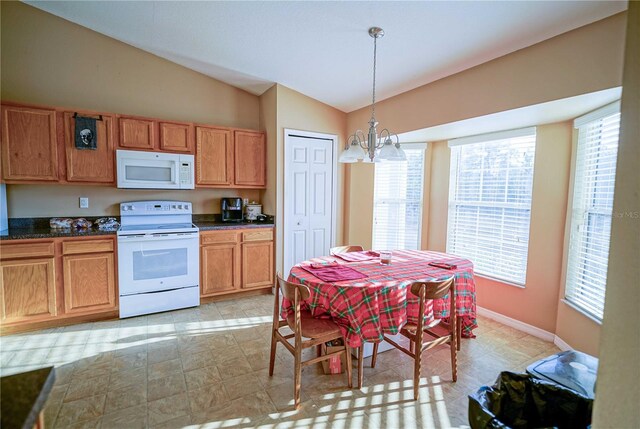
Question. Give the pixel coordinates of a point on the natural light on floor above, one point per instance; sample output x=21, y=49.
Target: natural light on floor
x=207, y=368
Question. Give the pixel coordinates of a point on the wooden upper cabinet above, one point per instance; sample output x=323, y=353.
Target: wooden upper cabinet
x=137, y=133
x=250, y=159
x=90, y=165
x=27, y=290
x=176, y=137
x=214, y=157
x=29, y=145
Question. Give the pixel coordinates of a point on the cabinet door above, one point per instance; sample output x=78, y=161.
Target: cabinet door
x=176, y=137
x=220, y=268
x=214, y=157
x=29, y=148
x=257, y=264
x=91, y=166
x=250, y=159
x=89, y=283
x=136, y=133
x=27, y=290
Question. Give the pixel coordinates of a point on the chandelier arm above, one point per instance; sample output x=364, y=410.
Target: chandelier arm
x=382, y=140
x=362, y=141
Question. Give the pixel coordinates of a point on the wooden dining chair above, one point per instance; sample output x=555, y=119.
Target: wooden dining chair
x=345, y=249
x=438, y=331
x=315, y=332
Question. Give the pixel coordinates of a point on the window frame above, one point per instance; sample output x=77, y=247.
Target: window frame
x=571, y=224
x=452, y=204
x=406, y=146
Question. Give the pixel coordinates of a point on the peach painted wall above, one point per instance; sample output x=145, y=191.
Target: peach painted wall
x=618, y=385
x=580, y=61
x=556, y=68
x=296, y=111
x=50, y=61
x=537, y=303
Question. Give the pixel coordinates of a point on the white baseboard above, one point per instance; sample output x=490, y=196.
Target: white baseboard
x=524, y=327
x=561, y=344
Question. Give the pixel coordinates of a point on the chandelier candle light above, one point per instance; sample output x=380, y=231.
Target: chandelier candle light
x=378, y=147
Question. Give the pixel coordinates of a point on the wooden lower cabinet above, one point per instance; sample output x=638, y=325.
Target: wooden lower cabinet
x=43, y=283
x=257, y=264
x=89, y=283
x=220, y=268
x=236, y=260
x=28, y=290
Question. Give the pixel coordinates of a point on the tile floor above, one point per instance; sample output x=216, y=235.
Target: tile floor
x=207, y=368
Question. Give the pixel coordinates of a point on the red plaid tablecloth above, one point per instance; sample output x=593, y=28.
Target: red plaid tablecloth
x=382, y=303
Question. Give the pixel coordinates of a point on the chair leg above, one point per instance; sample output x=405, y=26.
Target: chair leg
x=458, y=331
x=454, y=360
x=360, y=366
x=297, y=378
x=412, y=346
x=347, y=350
x=416, y=372
x=375, y=355
x=272, y=357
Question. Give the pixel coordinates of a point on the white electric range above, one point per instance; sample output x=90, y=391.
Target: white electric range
x=158, y=257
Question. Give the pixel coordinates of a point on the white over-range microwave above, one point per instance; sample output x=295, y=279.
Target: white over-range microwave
x=154, y=170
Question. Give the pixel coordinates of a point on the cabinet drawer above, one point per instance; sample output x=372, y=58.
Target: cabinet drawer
x=218, y=237
x=260, y=235
x=26, y=250
x=87, y=246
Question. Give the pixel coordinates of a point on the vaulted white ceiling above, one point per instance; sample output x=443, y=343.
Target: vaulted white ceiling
x=322, y=49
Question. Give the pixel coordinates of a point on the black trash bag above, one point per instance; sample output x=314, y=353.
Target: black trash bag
x=522, y=401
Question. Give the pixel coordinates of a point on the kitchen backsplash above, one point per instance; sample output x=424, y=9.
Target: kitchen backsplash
x=25, y=201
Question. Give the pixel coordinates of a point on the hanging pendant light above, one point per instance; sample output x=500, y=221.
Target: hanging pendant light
x=376, y=147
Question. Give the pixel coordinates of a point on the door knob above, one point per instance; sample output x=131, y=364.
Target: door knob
x=299, y=223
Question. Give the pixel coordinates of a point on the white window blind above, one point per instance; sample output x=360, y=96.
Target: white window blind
x=594, y=183
x=490, y=202
x=397, y=201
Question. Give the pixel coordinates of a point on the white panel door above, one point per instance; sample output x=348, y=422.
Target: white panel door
x=308, y=199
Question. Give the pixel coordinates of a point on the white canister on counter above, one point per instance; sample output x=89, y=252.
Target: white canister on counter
x=253, y=210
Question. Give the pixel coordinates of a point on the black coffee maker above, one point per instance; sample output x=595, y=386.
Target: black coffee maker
x=231, y=209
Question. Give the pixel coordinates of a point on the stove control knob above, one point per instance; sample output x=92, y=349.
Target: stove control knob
x=125, y=208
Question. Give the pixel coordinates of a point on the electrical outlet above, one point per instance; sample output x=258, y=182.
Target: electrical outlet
x=245, y=201
x=84, y=202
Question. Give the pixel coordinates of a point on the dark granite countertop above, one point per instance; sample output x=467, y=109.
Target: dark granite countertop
x=38, y=227
x=24, y=396
x=22, y=228
x=214, y=222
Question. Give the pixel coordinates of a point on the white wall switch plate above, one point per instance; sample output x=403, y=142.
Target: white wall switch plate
x=84, y=202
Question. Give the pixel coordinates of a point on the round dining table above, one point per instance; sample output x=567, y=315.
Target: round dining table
x=377, y=299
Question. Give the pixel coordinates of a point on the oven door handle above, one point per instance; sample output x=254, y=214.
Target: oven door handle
x=157, y=237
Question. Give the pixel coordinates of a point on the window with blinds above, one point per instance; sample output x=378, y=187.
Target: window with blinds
x=490, y=202
x=397, y=201
x=593, y=189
